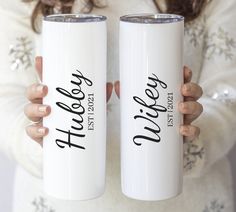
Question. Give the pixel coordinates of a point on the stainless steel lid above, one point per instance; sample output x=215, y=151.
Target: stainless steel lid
x=75, y=18
x=152, y=18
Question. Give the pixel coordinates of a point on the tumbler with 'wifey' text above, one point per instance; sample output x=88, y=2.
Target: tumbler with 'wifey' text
x=151, y=74
x=74, y=69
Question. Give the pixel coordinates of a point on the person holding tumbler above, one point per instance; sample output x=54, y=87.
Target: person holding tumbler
x=210, y=61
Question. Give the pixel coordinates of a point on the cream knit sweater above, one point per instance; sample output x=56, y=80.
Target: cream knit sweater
x=210, y=51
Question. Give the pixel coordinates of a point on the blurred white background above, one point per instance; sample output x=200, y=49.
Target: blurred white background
x=6, y=183
x=7, y=177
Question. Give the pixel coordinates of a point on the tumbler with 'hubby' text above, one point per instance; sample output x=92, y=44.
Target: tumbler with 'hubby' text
x=151, y=74
x=74, y=69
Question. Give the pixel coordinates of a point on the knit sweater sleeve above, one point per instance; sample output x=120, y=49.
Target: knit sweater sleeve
x=16, y=73
x=218, y=75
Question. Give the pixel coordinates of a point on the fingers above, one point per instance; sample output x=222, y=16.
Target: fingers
x=109, y=90
x=187, y=74
x=37, y=132
x=189, y=132
x=191, y=110
x=117, y=88
x=192, y=91
x=35, y=112
x=39, y=66
x=191, y=107
x=36, y=92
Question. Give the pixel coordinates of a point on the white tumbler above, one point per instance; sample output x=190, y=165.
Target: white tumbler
x=74, y=69
x=151, y=74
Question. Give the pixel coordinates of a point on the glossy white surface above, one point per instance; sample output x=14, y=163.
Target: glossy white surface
x=74, y=66
x=151, y=62
x=7, y=170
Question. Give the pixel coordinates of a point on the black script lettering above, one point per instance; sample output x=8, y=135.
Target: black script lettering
x=80, y=77
x=68, y=94
x=156, y=80
x=147, y=128
x=77, y=109
x=68, y=142
x=68, y=109
x=153, y=110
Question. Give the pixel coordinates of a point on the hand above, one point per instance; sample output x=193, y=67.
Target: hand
x=190, y=108
x=35, y=110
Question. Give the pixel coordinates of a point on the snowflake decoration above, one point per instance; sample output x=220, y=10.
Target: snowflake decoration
x=214, y=206
x=217, y=42
x=21, y=53
x=224, y=96
x=220, y=43
x=41, y=206
x=192, y=153
x=196, y=30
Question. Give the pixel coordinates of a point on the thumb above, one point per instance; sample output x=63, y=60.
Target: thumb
x=117, y=88
x=39, y=66
x=109, y=90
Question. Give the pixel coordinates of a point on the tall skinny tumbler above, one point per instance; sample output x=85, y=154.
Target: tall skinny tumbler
x=74, y=69
x=151, y=74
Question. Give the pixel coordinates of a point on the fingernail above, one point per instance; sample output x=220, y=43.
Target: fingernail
x=184, y=130
x=39, y=88
x=187, y=88
x=42, y=130
x=187, y=69
x=183, y=105
x=43, y=108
